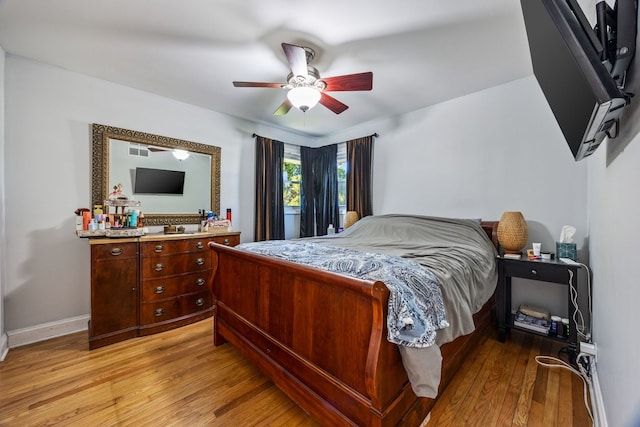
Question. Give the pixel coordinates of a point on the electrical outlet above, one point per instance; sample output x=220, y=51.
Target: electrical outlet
x=589, y=348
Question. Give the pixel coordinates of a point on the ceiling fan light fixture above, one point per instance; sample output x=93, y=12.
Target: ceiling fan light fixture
x=304, y=97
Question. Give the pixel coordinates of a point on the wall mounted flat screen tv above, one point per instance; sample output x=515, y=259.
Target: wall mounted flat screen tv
x=581, y=69
x=158, y=181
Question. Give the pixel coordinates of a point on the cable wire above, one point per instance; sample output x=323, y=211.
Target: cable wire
x=552, y=362
x=577, y=313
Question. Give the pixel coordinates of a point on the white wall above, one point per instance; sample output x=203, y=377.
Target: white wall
x=614, y=209
x=3, y=335
x=480, y=155
x=477, y=156
x=49, y=112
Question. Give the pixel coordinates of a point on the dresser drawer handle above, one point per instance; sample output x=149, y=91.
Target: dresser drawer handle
x=199, y=245
x=200, y=261
x=158, y=289
x=159, y=248
x=200, y=281
x=158, y=312
x=158, y=267
x=116, y=251
x=200, y=302
x=226, y=242
x=534, y=272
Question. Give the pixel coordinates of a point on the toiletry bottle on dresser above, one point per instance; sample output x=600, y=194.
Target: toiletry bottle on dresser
x=86, y=219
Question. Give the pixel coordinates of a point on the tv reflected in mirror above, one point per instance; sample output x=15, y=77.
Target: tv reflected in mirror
x=158, y=181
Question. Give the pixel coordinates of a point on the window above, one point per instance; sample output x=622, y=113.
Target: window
x=342, y=177
x=291, y=175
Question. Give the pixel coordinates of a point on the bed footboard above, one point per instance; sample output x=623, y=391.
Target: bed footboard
x=320, y=337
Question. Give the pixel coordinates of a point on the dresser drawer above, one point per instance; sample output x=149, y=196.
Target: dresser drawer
x=162, y=266
x=168, y=247
x=533, y=271
x=113, y=251
x=157, y=289
x=172, y=308
x=232, y=240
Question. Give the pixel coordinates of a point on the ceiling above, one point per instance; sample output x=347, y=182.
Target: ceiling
x=421, y=52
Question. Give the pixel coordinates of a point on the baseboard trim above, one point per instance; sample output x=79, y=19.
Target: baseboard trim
x=4, y=346
x=599, y=415
x=45, y=331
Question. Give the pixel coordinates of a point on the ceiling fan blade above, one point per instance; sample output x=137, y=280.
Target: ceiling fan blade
x=332, y=104
x=297, y=58
x=283, y=108
x=258, y=84
x=349, y=82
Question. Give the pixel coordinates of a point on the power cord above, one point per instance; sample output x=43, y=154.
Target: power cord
x=582, y=359
x=577, y=313
x=553, y=362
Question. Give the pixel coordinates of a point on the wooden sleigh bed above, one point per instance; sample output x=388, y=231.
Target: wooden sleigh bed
x=321, y=337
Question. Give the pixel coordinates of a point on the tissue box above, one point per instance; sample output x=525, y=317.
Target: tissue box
x=566, y=250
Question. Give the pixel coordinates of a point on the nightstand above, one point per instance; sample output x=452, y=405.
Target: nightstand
x=546, y=271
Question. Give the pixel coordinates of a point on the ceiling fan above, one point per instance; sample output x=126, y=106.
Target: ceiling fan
x=306, y=87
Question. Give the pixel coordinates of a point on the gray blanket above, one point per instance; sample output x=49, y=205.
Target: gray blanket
x=457, y=252
x=460, y=255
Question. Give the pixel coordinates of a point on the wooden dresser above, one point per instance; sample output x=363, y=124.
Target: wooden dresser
x=145, y=285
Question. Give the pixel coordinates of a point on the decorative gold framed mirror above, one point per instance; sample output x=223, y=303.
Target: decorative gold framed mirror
x=118, y=155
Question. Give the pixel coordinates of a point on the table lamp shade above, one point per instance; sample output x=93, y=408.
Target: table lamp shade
x=350, y=218
x=512, y=232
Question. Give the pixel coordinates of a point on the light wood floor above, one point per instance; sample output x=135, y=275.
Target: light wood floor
x=178, y=378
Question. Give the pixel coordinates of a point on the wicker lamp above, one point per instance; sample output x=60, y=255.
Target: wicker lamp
x=350, y=218
x=512, y=232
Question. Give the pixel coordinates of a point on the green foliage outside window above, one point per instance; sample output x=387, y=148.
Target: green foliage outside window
x=292, y=175
x=342, y=180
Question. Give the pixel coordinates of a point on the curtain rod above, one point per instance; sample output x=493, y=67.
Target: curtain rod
x=374, y=135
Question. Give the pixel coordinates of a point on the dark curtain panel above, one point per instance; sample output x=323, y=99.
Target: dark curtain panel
x=319, y=190
x=269, y=217
x=359, y=188
x=307, y=193
x=325, y=171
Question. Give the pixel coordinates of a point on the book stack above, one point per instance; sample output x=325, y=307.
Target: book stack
x=532, y=319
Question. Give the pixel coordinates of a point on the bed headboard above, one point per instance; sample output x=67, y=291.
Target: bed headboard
x=491, y=228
